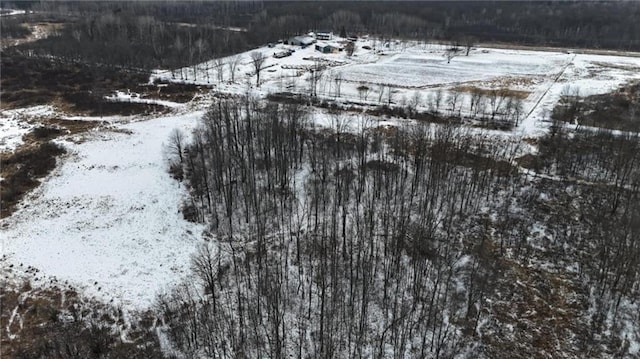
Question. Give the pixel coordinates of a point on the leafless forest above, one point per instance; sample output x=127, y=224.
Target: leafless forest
x=401, y=243
x=336, y=216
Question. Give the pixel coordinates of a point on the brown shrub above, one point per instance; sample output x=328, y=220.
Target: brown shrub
x=21, y=171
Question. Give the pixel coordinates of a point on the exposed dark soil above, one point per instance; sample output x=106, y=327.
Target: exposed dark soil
x=72, y=127
x=46, y=133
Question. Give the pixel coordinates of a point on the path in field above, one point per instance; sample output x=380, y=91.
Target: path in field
x=529, y=125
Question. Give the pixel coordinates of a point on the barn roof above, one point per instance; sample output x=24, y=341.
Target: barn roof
x=304, y=39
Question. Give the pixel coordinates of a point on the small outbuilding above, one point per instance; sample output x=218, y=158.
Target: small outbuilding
x=303, y=41
x=328, y=48
x=324, y=35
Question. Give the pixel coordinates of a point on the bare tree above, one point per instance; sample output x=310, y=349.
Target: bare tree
x=415, y=101
x=175, y=150
x=176, y=144
x=468, y=44
x=201, y=47
x=257, y=60
x=363, y=92
x=314, y=77
x=179, y=47
x=452, y=101
x=518, y=110
x=437, y=100
x=219, y=66
x=233, y=65
x=474, y=103
x=338, y=82
x=497, y=98
x=452, y=51
x=390, y=92
x=205, y=264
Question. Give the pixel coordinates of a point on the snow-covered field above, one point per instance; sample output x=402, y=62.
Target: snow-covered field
x=420, y=69
x=108, y=219
x=410, y=68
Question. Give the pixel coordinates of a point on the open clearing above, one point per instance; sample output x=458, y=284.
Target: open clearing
x=407, y=69
x=418, y=69
x=108, y=218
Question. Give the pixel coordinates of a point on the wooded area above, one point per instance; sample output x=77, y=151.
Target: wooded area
x=159, y=34
x=413, y=223
x=400, y=242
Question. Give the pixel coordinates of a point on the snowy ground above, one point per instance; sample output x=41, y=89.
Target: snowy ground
x=16, y=123
x=12, y=12
x=416, y=68
x=410, y=68
x=108, y=218
x=121, y=96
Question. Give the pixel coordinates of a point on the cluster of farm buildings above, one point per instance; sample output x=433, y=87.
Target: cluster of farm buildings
x=322, y=40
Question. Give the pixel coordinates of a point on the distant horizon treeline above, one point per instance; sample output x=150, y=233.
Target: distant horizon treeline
x=163, y=34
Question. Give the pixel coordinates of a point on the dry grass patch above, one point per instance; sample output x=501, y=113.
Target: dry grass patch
x=22, y=171
x=515, y=81
x=23, y=168
x=53, y=321
x=73, y=127
x=625, y=67
x=542, y=310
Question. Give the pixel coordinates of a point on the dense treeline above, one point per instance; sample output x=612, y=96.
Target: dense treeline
x=340, y=245
x=13, y=28
x=595, y=219
x=161, y=34
x=591, y=24
x=394, y=242
x=617, y=110
x=137, y=41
